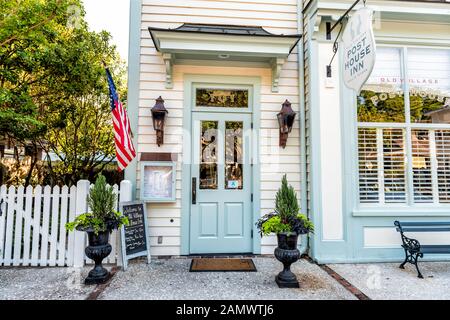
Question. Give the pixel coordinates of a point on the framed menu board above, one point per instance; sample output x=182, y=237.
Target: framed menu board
x=134, y=236
x=158, y=181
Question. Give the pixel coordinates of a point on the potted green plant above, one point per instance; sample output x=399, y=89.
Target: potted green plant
x=98, y=224
x=287, y=223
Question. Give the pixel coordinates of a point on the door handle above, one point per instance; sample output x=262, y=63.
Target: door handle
x=194, y=190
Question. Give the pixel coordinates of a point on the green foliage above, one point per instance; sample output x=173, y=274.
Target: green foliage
x=53, y=89
x=19, y=172
x=222, y=98
x=274, y=225
x=307, y=224
x=287, y=216
x=392, y=109
x=298, y=224
x=389, y=110
x=86, y=221
x=101, y=200
x=286, y=203
x=31, y=31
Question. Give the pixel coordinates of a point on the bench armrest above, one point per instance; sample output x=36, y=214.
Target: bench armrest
x=412, y=245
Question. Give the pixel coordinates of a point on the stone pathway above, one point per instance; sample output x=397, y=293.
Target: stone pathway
x=171, y=279
x=43, y=284
x=386, y=281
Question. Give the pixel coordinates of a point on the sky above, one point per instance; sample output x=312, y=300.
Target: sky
x=112, y=16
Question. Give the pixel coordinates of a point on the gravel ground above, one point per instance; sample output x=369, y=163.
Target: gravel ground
x=386, y=281
x=43, y=284
x=171, y=279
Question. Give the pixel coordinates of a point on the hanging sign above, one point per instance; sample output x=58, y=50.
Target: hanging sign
x=134, y=236
x=359, y=49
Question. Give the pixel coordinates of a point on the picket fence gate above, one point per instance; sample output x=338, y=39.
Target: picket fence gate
x=32, y=225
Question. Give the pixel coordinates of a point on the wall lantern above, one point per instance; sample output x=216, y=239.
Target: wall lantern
x=159, y=117
x=286, y=119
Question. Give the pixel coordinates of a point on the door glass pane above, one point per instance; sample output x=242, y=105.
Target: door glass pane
x=221, y=98
x=382, y=98
x=208, y=155
x=233, y=155
x=429, y=82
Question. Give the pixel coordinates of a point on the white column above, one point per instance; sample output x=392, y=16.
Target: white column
x=330, y=145
x=79, y=236
x=125, y=191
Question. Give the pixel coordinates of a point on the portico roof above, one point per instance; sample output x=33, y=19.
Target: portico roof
x=224, y=29
x=223, y=43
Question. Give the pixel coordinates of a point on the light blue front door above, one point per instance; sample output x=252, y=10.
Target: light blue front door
x=221, y=207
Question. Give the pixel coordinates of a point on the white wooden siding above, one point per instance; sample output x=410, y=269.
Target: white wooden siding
x=275, y=16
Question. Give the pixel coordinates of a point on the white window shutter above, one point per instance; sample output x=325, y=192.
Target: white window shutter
x=368, y=165
x=442, y=138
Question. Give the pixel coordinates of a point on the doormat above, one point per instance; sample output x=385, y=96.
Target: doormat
x=222, y=265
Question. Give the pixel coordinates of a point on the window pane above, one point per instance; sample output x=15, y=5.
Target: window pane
x=221, y=98
x=381, y=98
x=442, y=138
x=233, y=155
x=157, y=182
x=421, y=164
x=429, y=81
x=368, y=165
x=394, y=166
x=208, y=157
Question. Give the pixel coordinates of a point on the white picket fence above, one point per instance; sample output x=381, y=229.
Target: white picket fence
x=32, y=225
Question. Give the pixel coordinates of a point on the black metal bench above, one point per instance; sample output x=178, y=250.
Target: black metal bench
x=413, y=248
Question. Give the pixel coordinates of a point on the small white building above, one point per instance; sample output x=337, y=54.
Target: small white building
x=224, y=68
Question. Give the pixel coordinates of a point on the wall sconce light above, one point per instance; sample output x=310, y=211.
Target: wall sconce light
x=159, y=113
x=286, y=119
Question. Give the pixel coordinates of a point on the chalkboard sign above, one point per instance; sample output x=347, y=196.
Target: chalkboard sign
x=134, y=236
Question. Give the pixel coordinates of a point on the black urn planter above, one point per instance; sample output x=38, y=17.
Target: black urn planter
x=287, y=253
x=97, y=250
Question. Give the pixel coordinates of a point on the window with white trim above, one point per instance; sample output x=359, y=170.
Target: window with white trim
x=404, y=128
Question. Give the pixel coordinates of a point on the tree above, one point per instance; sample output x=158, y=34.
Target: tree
x=80, y=127
x=53, y=92
x=28, y=31
x=286, y=203
x=392, y=109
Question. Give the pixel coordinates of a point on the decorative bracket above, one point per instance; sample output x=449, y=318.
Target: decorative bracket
x=168, y=61
x=317, y=22
x=277, y=64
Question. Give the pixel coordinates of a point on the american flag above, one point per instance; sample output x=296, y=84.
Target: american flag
x=125, y=151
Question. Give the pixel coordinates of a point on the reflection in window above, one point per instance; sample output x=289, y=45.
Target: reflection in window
x=233, y=155
x=429, y=81
x=442, y=138
x=394, y=166
x=421, y=164
x=208, y=156
x=382, y=98
x=382, y=127
x=221, y=98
